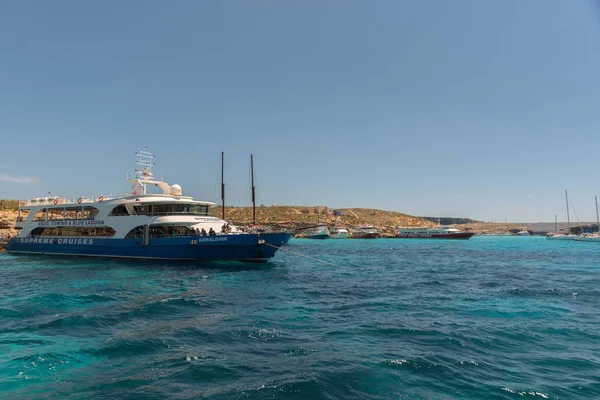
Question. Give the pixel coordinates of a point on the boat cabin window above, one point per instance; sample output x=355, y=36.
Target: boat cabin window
x=40, y=215
x=159, y=231
x=161, y=209
x=75, y=212
x=74, y=231
x=198, y=209
x=118, y=211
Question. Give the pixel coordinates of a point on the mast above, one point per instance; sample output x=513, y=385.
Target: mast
x=223, y=185
x=597, y=216
x=568, y=218
x=253, y=190
x=556, y=222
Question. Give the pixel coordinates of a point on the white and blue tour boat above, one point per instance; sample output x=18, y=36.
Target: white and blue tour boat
x=138, y=225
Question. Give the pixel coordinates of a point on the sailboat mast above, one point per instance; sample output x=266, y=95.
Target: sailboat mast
x=597, y=216
x=253, y=190
x=568, y=218
x=555, y=222
x=223, y=185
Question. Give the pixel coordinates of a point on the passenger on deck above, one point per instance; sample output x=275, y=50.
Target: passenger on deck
x=211, y=232
x=202, y=232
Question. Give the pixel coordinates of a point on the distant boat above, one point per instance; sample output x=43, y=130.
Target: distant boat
x=318, y=232
x=339, y=232
x=562, y=236
x=524, y=232
x=365, y=232
x=592, y=237
x=437, y=232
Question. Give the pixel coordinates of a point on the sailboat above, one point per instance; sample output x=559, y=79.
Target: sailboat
x=562, y=236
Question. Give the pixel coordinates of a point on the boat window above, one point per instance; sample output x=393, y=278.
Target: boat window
x=142, y=209
x=159, y=209
x=197, y=209
x=118, y=211
x=69, y=231
x=40, y=215
x=76, y=212
x=159, y=231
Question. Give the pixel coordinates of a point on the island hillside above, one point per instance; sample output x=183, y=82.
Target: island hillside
x=297, y=218
x=294, y=218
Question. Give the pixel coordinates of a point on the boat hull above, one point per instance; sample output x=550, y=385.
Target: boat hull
x=455, y=236
x=365, y=236
x=588, y=239
x=321, y=236
x=339, y=235
x=561, y=237
x=236, y=247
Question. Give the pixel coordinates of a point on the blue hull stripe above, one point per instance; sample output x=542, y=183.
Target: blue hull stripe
x=246, y=247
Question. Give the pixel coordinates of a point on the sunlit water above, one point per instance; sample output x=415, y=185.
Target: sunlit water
x=491, y=317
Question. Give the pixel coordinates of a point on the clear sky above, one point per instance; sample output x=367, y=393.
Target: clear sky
x=473, y=108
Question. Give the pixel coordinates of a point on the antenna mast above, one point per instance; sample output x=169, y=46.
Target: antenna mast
x=568, y=218
x=145, y=162
x=253, y=190
x=223, y=184
x=597, y=216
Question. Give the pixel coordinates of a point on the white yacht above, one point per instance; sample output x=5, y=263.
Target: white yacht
x=339, y=232
x=317, y=232
x=436, y=232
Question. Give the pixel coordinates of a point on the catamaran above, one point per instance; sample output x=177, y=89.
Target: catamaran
x=139, y=225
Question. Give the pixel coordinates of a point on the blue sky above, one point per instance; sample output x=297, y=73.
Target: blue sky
x=481, y=109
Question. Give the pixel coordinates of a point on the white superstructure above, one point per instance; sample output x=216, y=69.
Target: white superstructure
x=167, y=213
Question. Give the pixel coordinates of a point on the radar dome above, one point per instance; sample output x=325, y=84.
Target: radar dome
x=175, y=190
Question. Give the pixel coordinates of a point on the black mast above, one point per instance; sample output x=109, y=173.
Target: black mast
x=223, y=184
x=253, y=193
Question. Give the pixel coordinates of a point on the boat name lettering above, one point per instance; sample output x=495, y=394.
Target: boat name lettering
x=213, y=239
x=56, y=241
x=64, y=222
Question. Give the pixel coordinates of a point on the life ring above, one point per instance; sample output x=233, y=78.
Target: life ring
x=79, y=200
x=100, y=199
x=55, y=201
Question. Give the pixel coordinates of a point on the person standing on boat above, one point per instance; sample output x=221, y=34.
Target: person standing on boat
x=211, y=232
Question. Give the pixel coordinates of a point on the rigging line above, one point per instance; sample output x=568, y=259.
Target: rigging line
x=576, y=216
x=302, y=255
x=574, y=212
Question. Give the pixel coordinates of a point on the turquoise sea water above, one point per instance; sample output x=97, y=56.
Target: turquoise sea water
x=489, y=318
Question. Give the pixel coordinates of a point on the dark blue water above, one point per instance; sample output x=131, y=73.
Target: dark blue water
x=490, y=318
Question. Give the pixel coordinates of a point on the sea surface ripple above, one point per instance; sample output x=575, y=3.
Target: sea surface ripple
x=489, y=318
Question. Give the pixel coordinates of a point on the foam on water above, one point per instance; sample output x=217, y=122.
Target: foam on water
x=498, y=318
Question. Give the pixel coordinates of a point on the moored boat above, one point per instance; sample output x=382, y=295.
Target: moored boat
x=523, y=232
x=339, y=232
x=365, y=232
x=140, y=225
x=436, y=232
x=317, y=232
x=560, y=236
x=556, y=235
